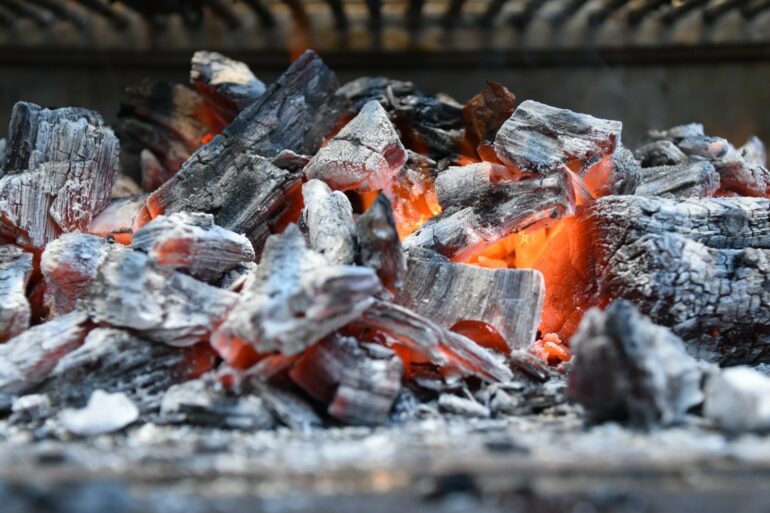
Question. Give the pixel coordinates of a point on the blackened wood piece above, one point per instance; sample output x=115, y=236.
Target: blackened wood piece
x=229, y=83
x=193, y=244
x=163, y=305
x=539, y=138
x=327, y=220
x=27, y=359
x=509, y=300
x=60, y=168
x=15, y=271
x=442, y=346
x=378, y=244
x=693, y=179
x=503, y=208
x=486, y=112
x=117, y=361
x=295, y=298
x=628, y=368
x=364, y=155
x=660, y=153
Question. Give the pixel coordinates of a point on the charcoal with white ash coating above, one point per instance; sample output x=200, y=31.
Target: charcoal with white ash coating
x=232, y=176
x=119, y=219
x=15, y=272
x=295, y=299
x=628, y=368
x=228, y=84
x=59, y=172
x=692, y=179
x=363, y=156
x=379, y=246
x=327, y=221
x=509, y=300
x=660, y=153
x=193, y=244
x=738, y=400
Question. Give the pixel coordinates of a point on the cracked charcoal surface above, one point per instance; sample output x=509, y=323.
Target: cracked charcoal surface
x=231, y=84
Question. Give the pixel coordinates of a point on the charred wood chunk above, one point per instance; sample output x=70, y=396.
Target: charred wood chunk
x=378, y=244
x=625, y=174
x=539, y=138
x=509, y=300
x=678, y=133
x=441, y=346
x=130, y=291
x=486, y=112
x=706, y=147
x=229, y=85
x=428, y=124
x=60, y=170
x=738, y=400
x=193, y=244
x=754, y=151
x=202, y=403
x=327, y=220
x=500, y=209
x=693, y=179
x=626, y=367
x=741, y=176
x=320, y=368
x=295, y=299
x=117, y=361
x=15, y=271
x=412, y=193
x=364, y=155
x=70, y=264
x=460, y=186
x=28, y=359
x=119, y=218
x=660, y=153
x=289, y=408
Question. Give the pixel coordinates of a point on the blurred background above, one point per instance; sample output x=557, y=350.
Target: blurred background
x=649, y=63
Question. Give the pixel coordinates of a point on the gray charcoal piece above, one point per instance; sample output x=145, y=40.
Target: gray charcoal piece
x=193, y=244
x=118, y=217
x=660, y=153
x=229, y=80
x=754, y=151
x=365, y=155
x=509, y=300
x=677, y=133
x=539, y=138
x=232, y=176
x=59, y=173
x=462, y=407
x=743, y=176
x=290, y=409
x=504, y=208
x=379, y=246
x=31, y=408
x=626, y=169
x=706, y=147
x=628, y=368
x=738, y=400
x=296, y=298
x=15, y=272
x=696, y=179
x=327, y=220
x=28, y=359
x=104, y=413
x=202, y=403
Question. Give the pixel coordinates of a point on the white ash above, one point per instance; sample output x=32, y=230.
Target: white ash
x=104, y=413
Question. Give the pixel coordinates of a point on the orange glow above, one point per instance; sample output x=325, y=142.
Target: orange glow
x=200, y=359
x=551, y=349
x=207, y=138
x=483, y=334
x=413, y=203
x=234, y=351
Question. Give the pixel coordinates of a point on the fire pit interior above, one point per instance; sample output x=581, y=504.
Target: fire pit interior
x=296, y=292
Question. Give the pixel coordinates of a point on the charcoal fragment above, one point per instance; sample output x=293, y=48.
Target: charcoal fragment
x=104, y=413
x=15, y=272
x=378, y=244
x=627, y=367
x=707, y=147
x=660, y=153
x=486, y=112
x=119, y=219
x=754, y=151
x=742, y=176
x=327, y=220
x=463, y=407
x=289, y=408
x=693, y=179
x=738, y=400
x=228, y=84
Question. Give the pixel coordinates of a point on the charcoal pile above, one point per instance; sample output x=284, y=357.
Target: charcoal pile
x=309, y=255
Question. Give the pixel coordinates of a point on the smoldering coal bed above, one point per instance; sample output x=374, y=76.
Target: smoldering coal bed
x=307, y=296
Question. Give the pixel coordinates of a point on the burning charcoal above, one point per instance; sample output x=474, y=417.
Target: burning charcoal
x=70, y=265
x=117, y=361
x=59, y=173
x=15, y=271
x=738, y=399
x=295, y=299
x=677, y=133
x=119, y=219
x=104, y=413
x=706, y=147
x=539, y=138
x=743, y=177
x=694, y=179
x=441, y=346
x=364, y=155
x=229, y=176
x=754, y=151
x=486, y=112
x=624, y=177
x=200, y=403
x=459, y=186
x=626, y=367
x=509, y=300
x=27, y=359
x=193, y=244
x=450, y=403
x=501, y=209
x=131, y=292
x=320, y=369
x=412, y=194
x=328, y=222
x=229, y=85
x=532, y=367
x=31, y=408
x=153, y=173
x=660, y=153
x=378, y=244
x=290, y=409
x=428, y=124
